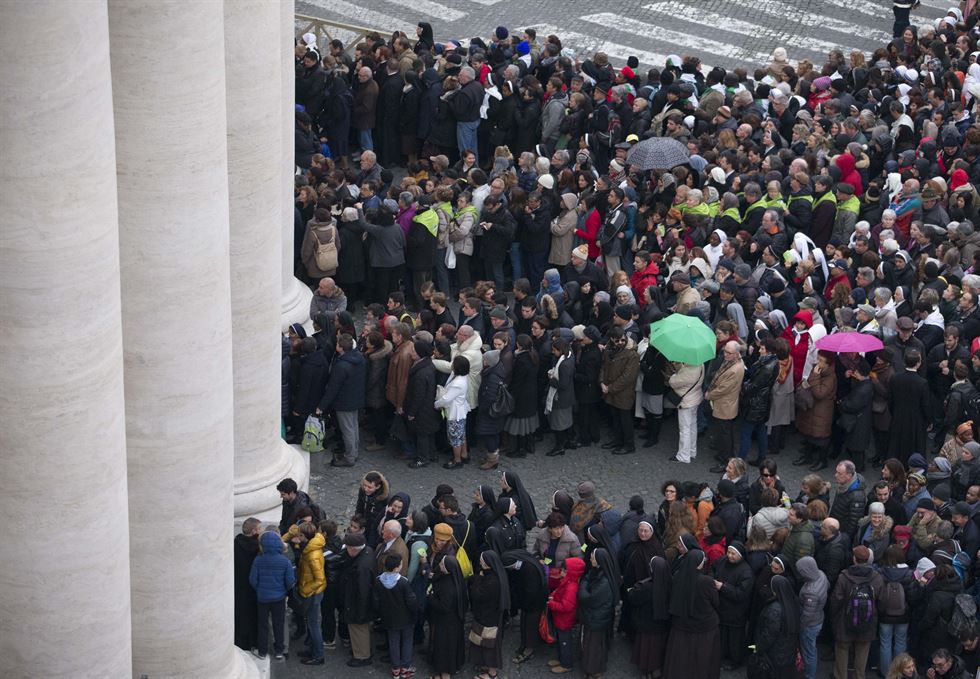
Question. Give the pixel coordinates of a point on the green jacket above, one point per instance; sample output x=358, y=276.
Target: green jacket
x=799, y=543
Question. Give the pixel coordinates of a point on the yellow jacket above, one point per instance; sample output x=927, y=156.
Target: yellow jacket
x=310, y=578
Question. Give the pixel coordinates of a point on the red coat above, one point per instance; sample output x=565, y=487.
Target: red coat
x=641, y=280
x=563, y=603
x=798, y=348
x=848, y=172
x=591, y=233
x=828, y=291
x=712, y=550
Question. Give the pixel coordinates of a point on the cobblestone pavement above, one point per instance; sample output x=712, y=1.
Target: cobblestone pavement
x=616, y=478
x=726, y=33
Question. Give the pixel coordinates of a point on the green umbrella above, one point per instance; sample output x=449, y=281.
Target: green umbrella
x=685, y=339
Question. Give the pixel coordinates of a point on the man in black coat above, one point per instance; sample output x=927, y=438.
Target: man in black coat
x=534, y=236
x=588, y=364
x=833, y=550
x=357, y=584
x=756, y=398
x=908, y=402
x=312, y=379
x=246, y=604
x=497, y=231
x=420, y=413
x=293, y=499
x=344, y=395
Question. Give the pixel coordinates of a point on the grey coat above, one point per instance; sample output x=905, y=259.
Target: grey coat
x=813, y=594
x=782, y=410
x=387, y=247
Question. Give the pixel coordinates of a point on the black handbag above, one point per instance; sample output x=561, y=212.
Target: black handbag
x=503, y=405
x=758, y=666
x=674, y=399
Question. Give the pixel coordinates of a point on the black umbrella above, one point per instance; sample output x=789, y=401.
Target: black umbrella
x=657, y=153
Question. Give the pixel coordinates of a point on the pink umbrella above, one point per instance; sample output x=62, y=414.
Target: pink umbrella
x=844, y=342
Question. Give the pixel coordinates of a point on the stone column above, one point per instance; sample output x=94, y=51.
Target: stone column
x=168, y=85
x=296, y=296
x=64, y=571
x=253, y=73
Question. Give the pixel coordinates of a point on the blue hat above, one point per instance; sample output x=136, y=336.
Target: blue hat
x=523, y=47
x=501, y=33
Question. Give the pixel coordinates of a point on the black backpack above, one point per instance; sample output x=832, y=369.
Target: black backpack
x=859, y=610
x=969, y=401
x=893, y=600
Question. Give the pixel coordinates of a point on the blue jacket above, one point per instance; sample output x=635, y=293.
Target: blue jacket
x=272, y=575
x=348, y=379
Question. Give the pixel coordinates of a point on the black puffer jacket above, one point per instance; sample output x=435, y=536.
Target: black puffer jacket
x=756, y=396
x=495, y=241
x=848, y=506
x=931, y=626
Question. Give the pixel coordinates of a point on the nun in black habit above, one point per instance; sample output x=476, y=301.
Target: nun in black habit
x=778, y=630
x=598, y=593
x=506, y=521
x=482, y=514
x=529, y=592
x=693, y=646
x=650, y=600
x=597, y=537
x=446, y=609
x=512, y=487
x=489, y=601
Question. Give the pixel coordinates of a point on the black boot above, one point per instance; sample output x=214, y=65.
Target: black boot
x=821, y=462
x=518, y=446
x=806, y=456
x=559, y=447
x=570, y=441
x=529, y=442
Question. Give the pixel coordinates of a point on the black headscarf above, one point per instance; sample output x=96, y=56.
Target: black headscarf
x=600, y=537
x=783, y=591
x=495, y=541
x=486, y=492
x=459, y=583
x=493, y=562
x=501, y=507
x=607, y=564
x=660, y=590
x=685, y=585
x=648, y=548
x=514, y=556
x=525, y=507
x=563, y=504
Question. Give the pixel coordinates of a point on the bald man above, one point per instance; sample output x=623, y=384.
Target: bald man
x=392, y=543
x=722, y=395
x=833, y=550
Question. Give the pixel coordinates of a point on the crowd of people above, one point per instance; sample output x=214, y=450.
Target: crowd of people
x=505, y=280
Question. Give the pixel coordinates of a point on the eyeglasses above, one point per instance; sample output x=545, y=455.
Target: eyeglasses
x=670, y=491
x=766, y=476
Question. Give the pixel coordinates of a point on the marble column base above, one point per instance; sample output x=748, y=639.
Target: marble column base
x=256, y=494
x=296, y=305
x=247, y=666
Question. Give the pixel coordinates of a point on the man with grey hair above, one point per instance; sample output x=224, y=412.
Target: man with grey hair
x=365, y=106
x=464, y=103
x=849, y=501
x=865, y=278
x=391, y=543
x=723, y=395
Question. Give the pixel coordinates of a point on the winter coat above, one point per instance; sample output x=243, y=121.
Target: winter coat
x=311, y=383
x=755, y=493
x=420, y=248
x=351, y=267
x=910, y=405
x=487, y=424
x=387, y=244
x=471, y=350
x=733, y=514
x=357, y=583
x=848, y=506
x=401, y=360
x=877, y=540
x=619, y=371
x=377, y=375
x=563, y=233
x=524, y=386
x=901, y=574
x=495, y=241
x=597, y=598
x=394, y=600
x=726, y=386
x=799, y=543
x=813, y=593
x=851, y=577
x=856, y=408
x=365, y=105
x=756, y=397
x=462, y=228
x=564, y=600
x=770, y=519
x=816, y=422
x=735, y=594
x=453, y=400
x=310, y=576
x=323, y=233
x=568, y=546
x=587, y=368
x=833, y=556
x=686, y=382
x=271, y=575
x=348, y=379
x=931, y=626
x=421, y=415
x=772, y=639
